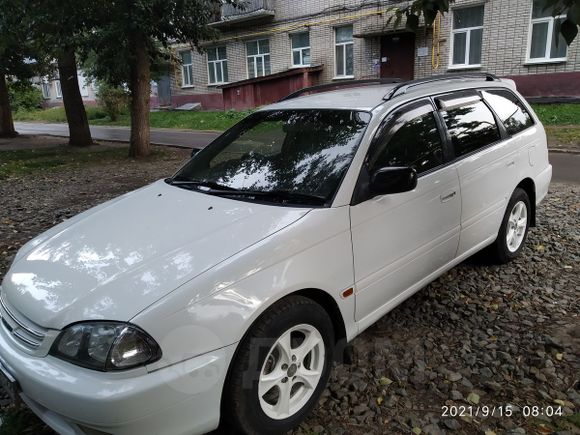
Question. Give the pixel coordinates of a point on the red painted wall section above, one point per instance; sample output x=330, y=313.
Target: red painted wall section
x=266, y=90
x=549, y=85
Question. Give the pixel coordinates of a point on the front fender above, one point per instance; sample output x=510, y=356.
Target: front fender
x=316, y=252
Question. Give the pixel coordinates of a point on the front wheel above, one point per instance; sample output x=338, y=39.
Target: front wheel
x=280, y=369
x=514, y=228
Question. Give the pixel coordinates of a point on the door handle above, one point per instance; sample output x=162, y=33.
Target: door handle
x=448, y=197
x=510, y=163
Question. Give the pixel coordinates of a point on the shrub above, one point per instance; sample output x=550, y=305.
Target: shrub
x=113, y=99
x=24, y=96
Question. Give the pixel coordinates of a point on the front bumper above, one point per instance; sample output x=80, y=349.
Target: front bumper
x=183, y=398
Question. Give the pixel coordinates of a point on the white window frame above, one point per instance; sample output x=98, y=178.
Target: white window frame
x=300, y=50
x=260, y=56
x=548, y=47
x=343, y=46
x=58, y=89
x=83, y=86
x=467, y=31
x=218, y=63
x=184, y=67
x=46, y=89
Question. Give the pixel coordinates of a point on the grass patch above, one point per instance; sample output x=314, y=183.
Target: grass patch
x=56, y=114
x=558, y=114
x=21, y=162
x=167, y=119
x=563, y=135
x=549, y=114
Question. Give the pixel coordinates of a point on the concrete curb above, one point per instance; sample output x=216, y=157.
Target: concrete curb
x=564, y=150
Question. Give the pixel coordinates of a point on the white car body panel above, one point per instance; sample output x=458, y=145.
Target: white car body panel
x=106, y=266
x=394, y=245
x=195, y=271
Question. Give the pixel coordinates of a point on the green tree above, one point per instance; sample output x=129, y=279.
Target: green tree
x=134, y=35
x=19, y=58
x=62, y=26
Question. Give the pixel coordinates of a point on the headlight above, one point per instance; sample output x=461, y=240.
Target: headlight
x=106, y=346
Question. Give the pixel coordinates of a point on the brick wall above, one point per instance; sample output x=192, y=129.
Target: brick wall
x=505, y=43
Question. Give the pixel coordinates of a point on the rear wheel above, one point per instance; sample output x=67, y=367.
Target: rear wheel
x=514, y=228
x=280, y=369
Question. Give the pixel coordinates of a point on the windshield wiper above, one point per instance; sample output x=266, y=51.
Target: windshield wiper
x=280, y=195
x=213, y=188
x=208, y=185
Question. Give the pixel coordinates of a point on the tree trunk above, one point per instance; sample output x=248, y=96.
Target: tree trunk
x=140, y=85
x=6, y=123
x=78, y=124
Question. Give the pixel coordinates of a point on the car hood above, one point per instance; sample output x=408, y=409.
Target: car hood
x=115, y=260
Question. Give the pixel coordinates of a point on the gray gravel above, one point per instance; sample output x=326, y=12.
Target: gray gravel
x=480, y=335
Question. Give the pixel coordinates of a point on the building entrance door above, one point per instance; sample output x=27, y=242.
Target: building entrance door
x=398, y=56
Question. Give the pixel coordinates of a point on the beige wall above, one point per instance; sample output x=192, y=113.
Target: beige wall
x=505, y=41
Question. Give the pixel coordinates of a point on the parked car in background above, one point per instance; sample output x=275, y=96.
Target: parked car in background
x=220, y=295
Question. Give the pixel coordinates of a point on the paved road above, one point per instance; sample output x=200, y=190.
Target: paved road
x=566, y=166
x=159, y=136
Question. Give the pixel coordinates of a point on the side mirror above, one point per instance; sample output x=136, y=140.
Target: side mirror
x=393, y=180
x=195, y=151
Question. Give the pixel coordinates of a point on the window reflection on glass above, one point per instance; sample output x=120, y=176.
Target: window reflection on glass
x=302, y=151
x=410, y=138
x=510, y=110
x=471, y=127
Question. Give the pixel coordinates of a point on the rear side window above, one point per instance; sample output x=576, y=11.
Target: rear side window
x=510, y=110
x=410, y=137
x=471, y=126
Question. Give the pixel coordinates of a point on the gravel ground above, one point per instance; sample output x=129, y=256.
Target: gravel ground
x=480, y=335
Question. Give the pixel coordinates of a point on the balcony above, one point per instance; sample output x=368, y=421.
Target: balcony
x=244, y=12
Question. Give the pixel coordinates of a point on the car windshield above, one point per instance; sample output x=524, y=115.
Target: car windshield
x=280, y=156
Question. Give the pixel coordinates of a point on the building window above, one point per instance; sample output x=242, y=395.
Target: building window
x=467, y=37
x=546, y=43
x=186, y=68
x=45, y=86
x=258, y=58
x=58, y=89
x=344, y=52
x=300, y=49
x=83, y=86
x=217, y=65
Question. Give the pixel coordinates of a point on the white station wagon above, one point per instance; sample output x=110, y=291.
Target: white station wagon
x=221, y=294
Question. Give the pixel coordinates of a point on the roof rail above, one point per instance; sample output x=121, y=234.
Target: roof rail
x=404, y=87
x=339, y=85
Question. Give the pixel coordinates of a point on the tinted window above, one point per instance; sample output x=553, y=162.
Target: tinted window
x=510, y=110
x=471, y=127
x=410, y=138
x=297, y=151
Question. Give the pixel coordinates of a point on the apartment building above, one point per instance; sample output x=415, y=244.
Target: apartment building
x=270, y=48
x=52, y=93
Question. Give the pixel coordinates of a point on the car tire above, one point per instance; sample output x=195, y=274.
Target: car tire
x=514, y=228
x=274, y=380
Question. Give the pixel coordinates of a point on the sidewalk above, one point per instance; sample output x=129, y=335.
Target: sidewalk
x=159, y=136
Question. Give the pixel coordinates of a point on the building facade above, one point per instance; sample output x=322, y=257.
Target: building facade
x=52, y=94
x=272, y=47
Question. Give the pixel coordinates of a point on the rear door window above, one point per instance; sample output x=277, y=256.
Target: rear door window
x=509, y=109
x=471, y=124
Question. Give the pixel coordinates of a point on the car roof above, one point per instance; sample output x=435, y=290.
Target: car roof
x=369, y=97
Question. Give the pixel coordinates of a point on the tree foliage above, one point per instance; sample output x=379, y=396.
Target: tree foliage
x=133, y=37
x=113, y=99
x=23, y=95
